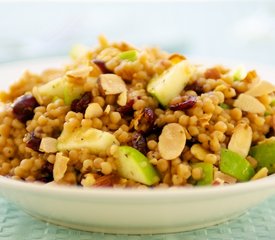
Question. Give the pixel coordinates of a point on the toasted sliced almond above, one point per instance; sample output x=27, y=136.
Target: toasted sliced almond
x=60, y=166
x=249, y=103
x=107, y=109
x=241, y=139
x=224, y=177
x=260, y=174
x=122, y=99
x=199, y=152
x=171, y=141
x=81, y=72
x=96, y=70
x=111, y=84
x=48, y=145
x=106, y=180
x=260, y=89
x=92, y=81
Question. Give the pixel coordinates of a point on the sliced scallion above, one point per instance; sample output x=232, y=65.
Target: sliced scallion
x=239, y=74
x=272, y=104
x=130, y=55
x=224, y=106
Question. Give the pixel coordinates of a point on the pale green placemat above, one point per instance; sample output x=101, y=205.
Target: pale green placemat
x=256, y=224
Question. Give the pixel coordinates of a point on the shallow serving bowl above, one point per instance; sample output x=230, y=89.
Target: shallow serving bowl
x=130, y=211
x=136, y=211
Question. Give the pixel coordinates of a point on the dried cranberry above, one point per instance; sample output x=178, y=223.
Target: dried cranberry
x=33, y=142
x=46, y=174
x=156, y=130
x=189, y=103
x=80, y=105
x=149, y=116
x=23, y=107
x=191, y=142
x=195, y=87
x=128, y=108
x=102, y=66
x=139, y=142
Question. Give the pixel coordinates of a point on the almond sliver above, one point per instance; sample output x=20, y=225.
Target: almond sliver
x=171, y=141
x=260, y=89
x=122, y=99
x=82, y=72
x=111, y=84
x=241, y=139
x=249, y=103
x=60, y=167
x=48, y=145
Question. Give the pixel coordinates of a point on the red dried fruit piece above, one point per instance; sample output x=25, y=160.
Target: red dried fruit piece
x=144, y=120
x=195, y=87
x=80, y=105
x=46, y=174
x=33, y=142
x=128, y=108
x=23, y=107
x=102, y=66
x=149, y=116
x=155, y=130
x=189, y=103
x=139, y=142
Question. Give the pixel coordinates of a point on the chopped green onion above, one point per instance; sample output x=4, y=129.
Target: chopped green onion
x=272, y=104
x=267, y=114
x=239, y=73
x=130, y=55
x=224, y=106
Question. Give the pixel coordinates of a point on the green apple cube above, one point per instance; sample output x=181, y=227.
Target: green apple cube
x=264, y=153
x=60, y=88
x=133, y=165
x=208, y=173
x=93, y=139
x=169, y=84
x=235, y=165
x=71, y=92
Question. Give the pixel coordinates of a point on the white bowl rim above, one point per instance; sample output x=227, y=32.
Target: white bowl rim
x=143, y=195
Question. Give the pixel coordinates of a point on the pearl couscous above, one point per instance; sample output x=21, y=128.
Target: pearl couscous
x=119, y=116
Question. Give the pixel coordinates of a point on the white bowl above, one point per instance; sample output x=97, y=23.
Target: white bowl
x=136, y=211
x=130, y=211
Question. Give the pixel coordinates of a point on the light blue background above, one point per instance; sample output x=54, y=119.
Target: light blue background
x=240, y=30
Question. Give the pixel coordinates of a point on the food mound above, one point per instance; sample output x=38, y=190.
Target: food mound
x=119, y=116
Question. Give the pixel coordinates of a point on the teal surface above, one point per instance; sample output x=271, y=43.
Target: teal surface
x=256, y=224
